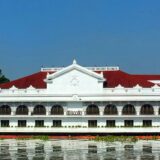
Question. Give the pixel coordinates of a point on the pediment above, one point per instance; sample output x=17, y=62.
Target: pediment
x=74, y=79
x=74, y=67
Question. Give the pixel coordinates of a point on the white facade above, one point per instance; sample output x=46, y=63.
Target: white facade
x=81, y=104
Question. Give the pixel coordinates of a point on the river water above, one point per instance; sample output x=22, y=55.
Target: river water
x=78, y=150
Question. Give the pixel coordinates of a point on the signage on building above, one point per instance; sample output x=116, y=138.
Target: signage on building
x=74, y=112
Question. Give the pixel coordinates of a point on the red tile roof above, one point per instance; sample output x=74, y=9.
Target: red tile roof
x=113, y=79
x=148, y=77
x=36, y=80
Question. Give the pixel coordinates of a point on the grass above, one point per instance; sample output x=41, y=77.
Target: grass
x=44, y=138
x=116, y=138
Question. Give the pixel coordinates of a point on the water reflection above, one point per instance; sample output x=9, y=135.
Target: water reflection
x=57, y=148
x=147, y=153
x=147, y=149
x=78, y=150
x=129, y=152
x=92, y=149
x=39, y=152
x=110, y=153
x=4, y=152
x=56, y=158
x=92, y=152
x=111, y=149
x=149, y=157
x=57, y=153
x=129, y=147
x=22, y=151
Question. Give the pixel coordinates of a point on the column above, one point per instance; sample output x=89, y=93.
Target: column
x=48, y=109
x=119, y=108
x=156, y=110
x=65, y=110
x=139, y=119
x=13, y=109
x=30, y=120
x=138, y=109
x=30, y=109
x=101, y=110
x=119, y=119
x=84, y=110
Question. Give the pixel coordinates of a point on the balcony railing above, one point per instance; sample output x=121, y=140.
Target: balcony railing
x=76, y=114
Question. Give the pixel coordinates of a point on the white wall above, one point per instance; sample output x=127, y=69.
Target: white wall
x=79, y=121
x=75, y=82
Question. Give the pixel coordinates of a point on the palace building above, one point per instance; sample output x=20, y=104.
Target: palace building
x=77, y=99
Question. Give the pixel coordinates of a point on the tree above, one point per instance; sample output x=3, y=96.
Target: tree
x=3, y=79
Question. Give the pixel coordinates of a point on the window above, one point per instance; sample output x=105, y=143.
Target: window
x=22, y=123
x=39, y=123
x=92, y=123
x=128, y=123
x=110, y=123
x=4, y=123
x=147, y=123
x=57, y=123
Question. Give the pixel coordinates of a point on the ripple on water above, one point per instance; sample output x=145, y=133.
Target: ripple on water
x=78, y=150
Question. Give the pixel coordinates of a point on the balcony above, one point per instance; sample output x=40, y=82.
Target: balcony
x=78, y=114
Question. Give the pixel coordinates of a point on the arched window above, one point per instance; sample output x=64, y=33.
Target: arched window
x=147, y=109
x=92, y=109
x=39, y=110
x=5, y=110
x=22, y=110
x=128, y=109
x=110, y=109
x=57, y=110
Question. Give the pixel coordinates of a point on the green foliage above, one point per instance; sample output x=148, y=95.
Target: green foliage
x=3, y=79
x=43, y=137
x=116, y=138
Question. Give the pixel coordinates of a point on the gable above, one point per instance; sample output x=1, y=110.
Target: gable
x=73, y=80
x=77, y=67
